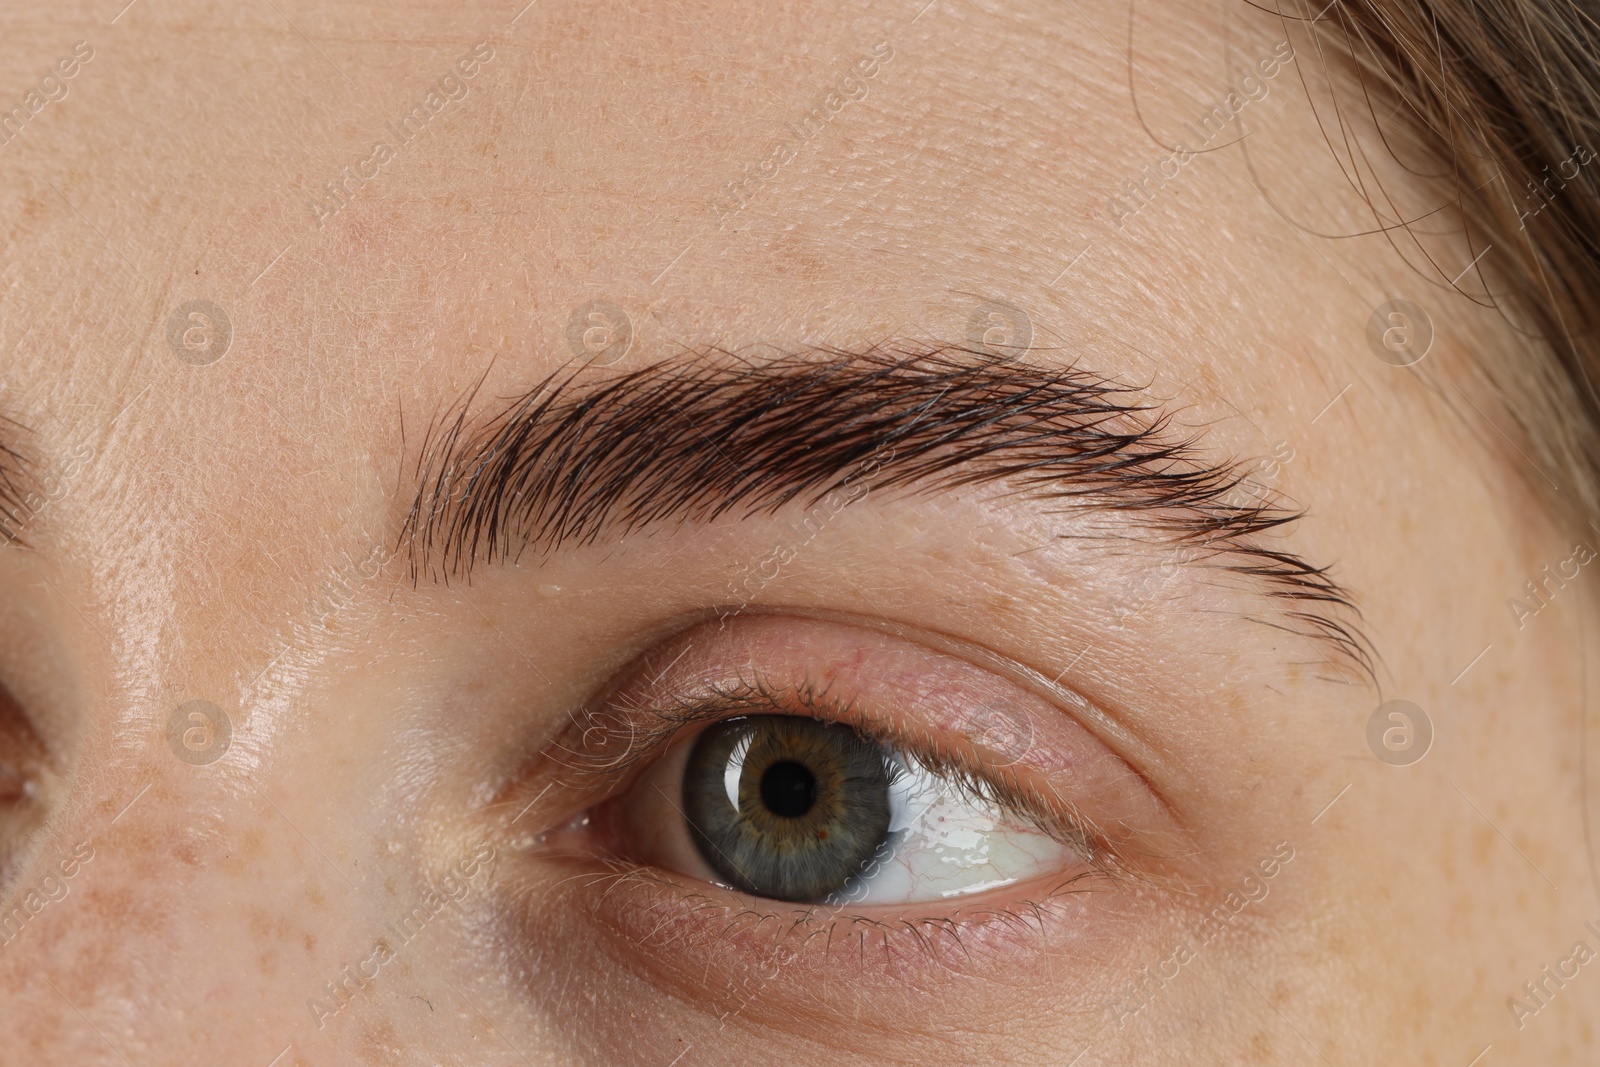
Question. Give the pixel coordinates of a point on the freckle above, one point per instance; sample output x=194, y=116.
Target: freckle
x=314, y=895
x=1261, y=1048
x=1483, y=841
x=380, y=1043
x=310, y=941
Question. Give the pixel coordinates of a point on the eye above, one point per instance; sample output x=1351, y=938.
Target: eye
x=861, y=773
x=24, y=777
x=799, y=809
x=775, y=815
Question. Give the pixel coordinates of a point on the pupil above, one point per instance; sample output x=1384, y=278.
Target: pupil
x=788, y=789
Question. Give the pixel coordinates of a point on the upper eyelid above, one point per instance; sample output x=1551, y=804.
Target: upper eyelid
x=663, y=726
x=709, y=435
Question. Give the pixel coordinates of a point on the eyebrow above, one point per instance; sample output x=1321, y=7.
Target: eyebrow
x=710, y=433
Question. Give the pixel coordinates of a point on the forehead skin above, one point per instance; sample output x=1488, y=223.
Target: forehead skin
x=222, y=506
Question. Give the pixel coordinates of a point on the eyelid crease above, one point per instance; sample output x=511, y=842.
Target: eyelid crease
x=711, y=434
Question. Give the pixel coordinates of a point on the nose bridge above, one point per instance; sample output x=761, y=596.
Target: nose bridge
x=160, y=891
x=81, y=924
x=186, y=906
x=102, y=871
x=216, y=881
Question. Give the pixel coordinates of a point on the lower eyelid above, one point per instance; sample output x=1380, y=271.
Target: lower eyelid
x=723, y=951
x=705, y=958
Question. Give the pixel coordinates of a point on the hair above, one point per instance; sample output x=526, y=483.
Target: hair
x=1506, y=94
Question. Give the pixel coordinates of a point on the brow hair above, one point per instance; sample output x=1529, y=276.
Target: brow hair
x=17, y=483
x=712, y=433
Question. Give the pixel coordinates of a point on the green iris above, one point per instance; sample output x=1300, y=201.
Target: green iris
x=787, y=807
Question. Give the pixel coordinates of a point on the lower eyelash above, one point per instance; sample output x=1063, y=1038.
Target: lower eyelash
x=894, y=937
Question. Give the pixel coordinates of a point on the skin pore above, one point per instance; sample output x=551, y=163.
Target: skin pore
x=408, y=728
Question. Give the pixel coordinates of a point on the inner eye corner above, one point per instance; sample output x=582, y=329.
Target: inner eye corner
x=25, y=759
x=30, y=780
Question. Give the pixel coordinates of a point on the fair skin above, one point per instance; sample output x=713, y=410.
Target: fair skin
x=236, y=533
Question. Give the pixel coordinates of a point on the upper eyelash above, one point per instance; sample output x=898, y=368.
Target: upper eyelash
x=650, y=729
